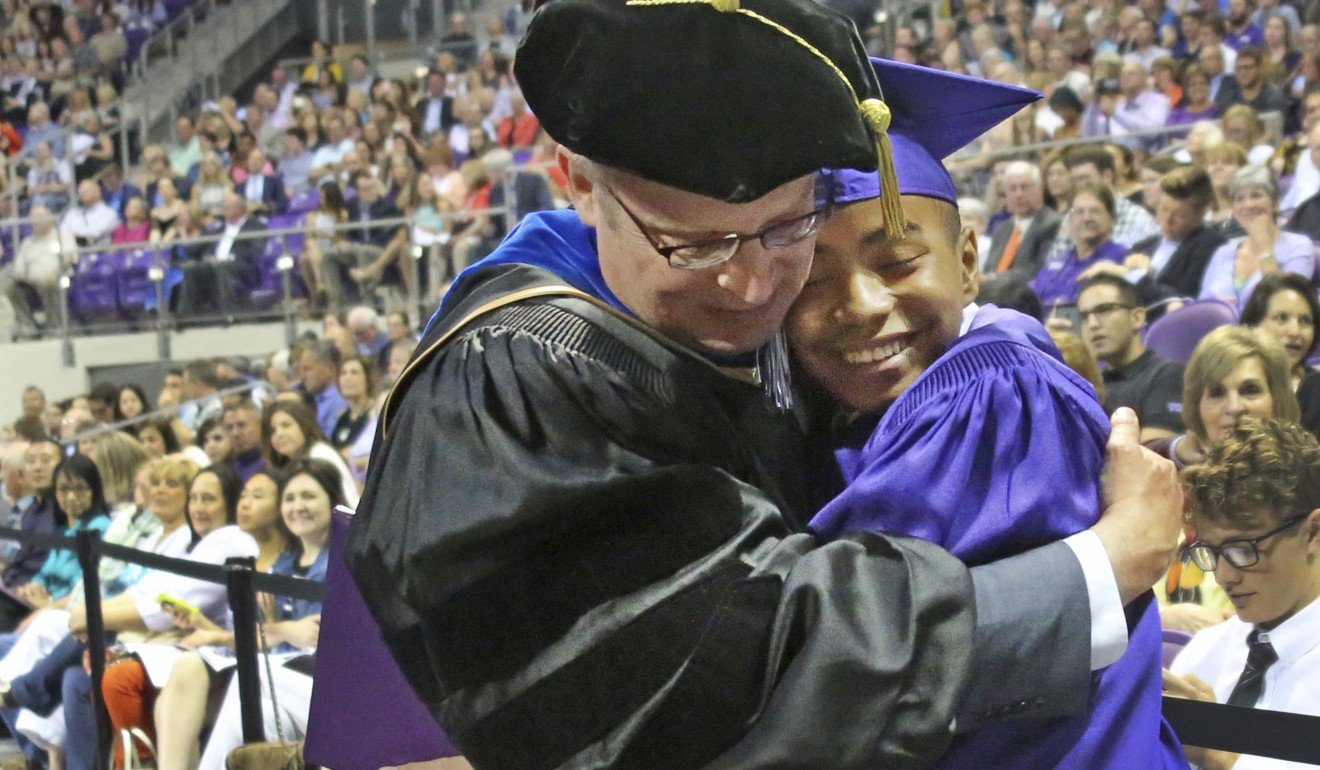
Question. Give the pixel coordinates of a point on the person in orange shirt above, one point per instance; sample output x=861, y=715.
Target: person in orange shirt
x=518, y=131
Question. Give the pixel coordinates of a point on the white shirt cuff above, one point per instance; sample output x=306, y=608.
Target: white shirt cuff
x=1135, y=276
x=1109, y=633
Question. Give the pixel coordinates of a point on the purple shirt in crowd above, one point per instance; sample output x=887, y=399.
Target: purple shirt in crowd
x=1057, y=280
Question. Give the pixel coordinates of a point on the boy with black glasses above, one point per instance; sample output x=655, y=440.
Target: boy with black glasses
x=1256, y=521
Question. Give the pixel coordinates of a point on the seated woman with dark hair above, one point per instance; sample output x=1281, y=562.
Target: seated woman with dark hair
x=1284, y=307
x=308, y=497
x=157, y=438
x=213, y=440
x=79, y=504
x=289, y=432
x=132, y=402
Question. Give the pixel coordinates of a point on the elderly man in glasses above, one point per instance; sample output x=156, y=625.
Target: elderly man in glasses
x=1256, y=516
x=583, y=530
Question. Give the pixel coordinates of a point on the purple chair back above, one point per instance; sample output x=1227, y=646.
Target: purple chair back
x=1173, y=642
x=1174, y=335
x=363, y=716
x=92, y=287
x=133, y=285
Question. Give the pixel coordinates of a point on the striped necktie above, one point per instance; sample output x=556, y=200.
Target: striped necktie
x=1250, y=686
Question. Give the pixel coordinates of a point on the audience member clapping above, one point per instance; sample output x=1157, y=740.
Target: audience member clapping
x=1238, y=265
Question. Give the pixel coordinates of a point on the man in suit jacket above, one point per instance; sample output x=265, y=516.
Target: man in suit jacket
x=434, y=110
x=211, y=283
x=263, y=193
x=360, y=246
x=115, y=191
x=1172, y=264
x=1019, y=243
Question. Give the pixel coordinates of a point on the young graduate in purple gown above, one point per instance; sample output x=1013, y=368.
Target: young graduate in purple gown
x=970, y=430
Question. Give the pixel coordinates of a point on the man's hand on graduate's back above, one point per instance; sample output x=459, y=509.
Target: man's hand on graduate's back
x=1143, y=508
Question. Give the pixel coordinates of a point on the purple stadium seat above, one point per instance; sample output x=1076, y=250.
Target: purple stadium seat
x=363, y=714
x=92, y=287
x=303, y=202
x=133, y=285
x=1175, y=334
x=1173, y=643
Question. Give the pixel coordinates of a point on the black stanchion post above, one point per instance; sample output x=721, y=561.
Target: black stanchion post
x=243, y=604
x=89, y=559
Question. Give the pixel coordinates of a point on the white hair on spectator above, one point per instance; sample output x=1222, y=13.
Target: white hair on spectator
x=280, y=362
x=1023, y=168
x=1253, y=178
x=361, y=317
x=973, y=213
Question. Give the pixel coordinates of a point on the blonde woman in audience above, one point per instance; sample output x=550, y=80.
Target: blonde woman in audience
x=1221, y=162
x=214, y=538
x=1242, y=126
x=289, y=433
x=1234, y=373
x=180, y=709
x=1204, y=135
x=121, y=460
x=212, y=185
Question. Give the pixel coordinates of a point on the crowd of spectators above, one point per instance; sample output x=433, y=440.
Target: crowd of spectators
x=226, y=457
x=321, y=148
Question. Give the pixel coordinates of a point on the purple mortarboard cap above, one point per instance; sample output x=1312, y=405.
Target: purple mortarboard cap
x=935, y=113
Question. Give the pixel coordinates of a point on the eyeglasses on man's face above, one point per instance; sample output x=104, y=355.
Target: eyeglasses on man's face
x=1242, y=553
x=1101, y=310
x=717, y=251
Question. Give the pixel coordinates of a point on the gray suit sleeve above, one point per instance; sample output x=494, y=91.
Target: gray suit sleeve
x=1032, y=654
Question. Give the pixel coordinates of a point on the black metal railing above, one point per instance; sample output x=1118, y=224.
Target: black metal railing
x=241, y=580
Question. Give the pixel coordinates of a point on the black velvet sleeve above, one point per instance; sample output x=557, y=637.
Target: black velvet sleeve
x=566, y=558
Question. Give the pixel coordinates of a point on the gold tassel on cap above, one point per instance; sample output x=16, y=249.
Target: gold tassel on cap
x=878, y=116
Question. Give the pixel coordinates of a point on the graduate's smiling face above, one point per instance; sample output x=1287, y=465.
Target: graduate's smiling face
x=730, y=308
x=876, y=310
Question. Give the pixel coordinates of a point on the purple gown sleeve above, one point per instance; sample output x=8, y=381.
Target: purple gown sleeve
x=996, y=449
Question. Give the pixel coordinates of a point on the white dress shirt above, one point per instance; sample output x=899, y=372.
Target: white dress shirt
x=1219, y=653
x=226, y=244
x=254, y=187
x=94, y=223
